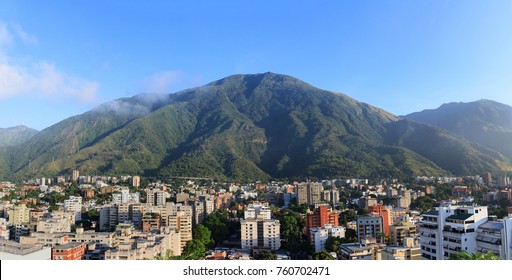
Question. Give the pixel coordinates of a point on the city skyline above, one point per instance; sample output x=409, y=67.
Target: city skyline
x=59, y=59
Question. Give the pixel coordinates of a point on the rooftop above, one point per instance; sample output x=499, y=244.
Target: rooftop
x=68, y=246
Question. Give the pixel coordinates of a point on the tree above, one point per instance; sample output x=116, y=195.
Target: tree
x=265, y=256
x=463, y=255
x=204, y=235
x=194, y=250
x=219, y=225
x=323, y=255
x=350, y=234
x=168, y=255
x=332, y=244
x=422, y=204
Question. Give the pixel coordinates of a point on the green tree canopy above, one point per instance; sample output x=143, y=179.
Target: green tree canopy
x=323, y=255
x=194, y=250
x=463, y=255
x=265, y=256
x=204, y=235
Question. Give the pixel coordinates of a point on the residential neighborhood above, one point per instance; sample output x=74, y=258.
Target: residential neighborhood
x=82, y=217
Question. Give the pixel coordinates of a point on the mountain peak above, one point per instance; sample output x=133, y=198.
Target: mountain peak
x=16, y=135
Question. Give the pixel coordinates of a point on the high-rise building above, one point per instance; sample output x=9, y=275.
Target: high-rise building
x=20, y=214
x=257, y=210
x=75, y=175
x=155, y=197
x=182, y=221
x=302, y=193
x=370, y=226
x=449, y=229
x=198, y=212
x=74, y=204
x=495, y=236
x=112, y=215
x=398, y=233
x=260, y=234
x=385, y=213
x=487, y=178
x=136, y=181
x=314, y=193
x=321, y=216
x=318, y=235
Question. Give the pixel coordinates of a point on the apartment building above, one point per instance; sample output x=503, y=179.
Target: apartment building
x=74, y=204
x=409, y=251
x=321, y=216
x=368, y=249
x=318, y=235
x=369, y=226
x=398, y=233
x=155, y=197
x=495, y=236
x=449, y=229
x=111, y=215
x=257, y=211
x=20, y=214
x=260, y=234
x=70, y=251
x=136, y=245
x=181, y=221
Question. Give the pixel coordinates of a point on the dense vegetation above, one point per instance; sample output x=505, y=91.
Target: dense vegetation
x=484, y=122
x=15, y=135
x=246, y=127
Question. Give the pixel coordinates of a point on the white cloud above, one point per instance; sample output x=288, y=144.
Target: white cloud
x=36, y=78
x=24, y=36
x=42, y=79
x=169, y=81
x=162, y=82
x=5, y=35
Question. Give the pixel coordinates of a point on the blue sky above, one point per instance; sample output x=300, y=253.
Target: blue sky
x=62, y=58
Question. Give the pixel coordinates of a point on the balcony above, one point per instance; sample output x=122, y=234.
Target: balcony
x=428, y=222
x=489, y=239
x=453, y=234
x=428, y=226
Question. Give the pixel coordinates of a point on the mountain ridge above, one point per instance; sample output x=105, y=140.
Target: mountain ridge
x=243, y=127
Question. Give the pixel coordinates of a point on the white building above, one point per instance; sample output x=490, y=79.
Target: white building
x=10, y=250
x=450, y=229
x=318, y=235
x=257, y=211
x=495, y=236
x=260, y=234
x=74, y=204
x=125, y=197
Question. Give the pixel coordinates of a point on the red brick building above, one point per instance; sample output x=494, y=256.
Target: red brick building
x=321, y=216
x=70, y=251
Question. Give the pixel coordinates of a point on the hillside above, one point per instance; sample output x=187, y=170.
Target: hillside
x=15, y=135
x=243, y=127
x=485, y=122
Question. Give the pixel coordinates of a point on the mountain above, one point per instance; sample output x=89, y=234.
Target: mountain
x=244, y=127
x=15, y=135
x=484, y=122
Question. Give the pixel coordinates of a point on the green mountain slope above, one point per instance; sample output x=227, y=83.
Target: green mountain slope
x=485, y=122
x=444, y=149
x=15, y=135
x=243, y=127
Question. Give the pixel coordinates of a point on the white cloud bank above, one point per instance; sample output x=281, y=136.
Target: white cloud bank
x=169, y=81
x=37, y=78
